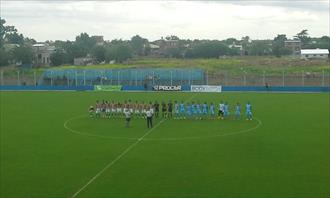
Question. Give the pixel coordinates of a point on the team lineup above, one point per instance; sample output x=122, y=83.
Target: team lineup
x=176, y=110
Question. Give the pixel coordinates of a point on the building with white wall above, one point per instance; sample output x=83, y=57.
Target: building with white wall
x=314, y=53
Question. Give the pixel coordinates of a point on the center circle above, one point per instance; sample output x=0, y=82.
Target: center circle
x=169, y=129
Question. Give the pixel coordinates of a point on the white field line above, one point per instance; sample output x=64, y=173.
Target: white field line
x=88, y=134
x=160, y=139
x=120, y=156
x=116, y=159
x=210, y=136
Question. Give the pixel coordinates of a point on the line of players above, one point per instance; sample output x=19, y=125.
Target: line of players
x=176, y=110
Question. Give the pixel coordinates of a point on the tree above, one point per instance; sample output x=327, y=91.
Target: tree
x=259, y=48
x=174, y=53
x=208, y=49
x=138, y=45
x=59, y=57
x=118, y=52
x=23, y=54
x=84, y=43
x=15, y=38
x=303, y=37
x=278, y=47
x=5, y=30
x=98, y=52
x=5, y=57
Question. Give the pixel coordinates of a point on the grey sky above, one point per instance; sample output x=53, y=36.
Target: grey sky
x=62, y=20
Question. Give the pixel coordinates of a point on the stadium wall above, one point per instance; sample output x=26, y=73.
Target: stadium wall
x=46, y=88
x=275, y=89
x=183, y=88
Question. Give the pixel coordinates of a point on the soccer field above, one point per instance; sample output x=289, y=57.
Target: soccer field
x=51, y=148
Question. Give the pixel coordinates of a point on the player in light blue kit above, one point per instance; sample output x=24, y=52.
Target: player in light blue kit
x=225, y=110
x=193, y=109
x=238, y=111
x=212, y=110
x=189, y=110
x=182, y=110
x=198, y=111
x=205, y=108
x=248, y=109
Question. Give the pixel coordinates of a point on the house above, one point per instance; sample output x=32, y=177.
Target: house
x=293, y=45
x=239, y=47
x=82, y=61
x=314, y=54
x=99, y=40
x=154, y=49
x=43, y=52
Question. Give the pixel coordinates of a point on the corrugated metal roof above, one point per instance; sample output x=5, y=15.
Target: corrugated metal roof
x=314, y=51
x=39, y=45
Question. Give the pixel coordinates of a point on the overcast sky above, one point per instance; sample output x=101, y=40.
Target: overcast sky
x=63, y=20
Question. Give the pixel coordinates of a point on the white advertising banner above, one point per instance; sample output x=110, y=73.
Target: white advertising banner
x=205, y=88
x=166, y=88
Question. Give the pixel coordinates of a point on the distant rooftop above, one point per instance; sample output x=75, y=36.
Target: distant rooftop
x=314, y=51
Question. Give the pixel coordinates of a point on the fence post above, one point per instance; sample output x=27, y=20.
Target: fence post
x=153, y=77
x=35, y=78
x=118, y=78
x=67, y=78
x=76, y=78
x=244, y=78
x=101, y=78
x=111, y=76
x=302, y=78
x=84, y=77
x=18, y=80
x=323, y=84
x=226, y=78
x=51, y=78
x=264, y=78
x=171, y=78
x=2, y=81
x=207, y=78
x=283, y=78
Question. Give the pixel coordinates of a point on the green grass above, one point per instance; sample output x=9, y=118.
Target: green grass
x=231, y=65
x=287, y=156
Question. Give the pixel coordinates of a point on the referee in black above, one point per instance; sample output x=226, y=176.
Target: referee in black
x=149, y=118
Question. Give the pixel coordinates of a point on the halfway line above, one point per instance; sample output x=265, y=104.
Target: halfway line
x=121, y=155
x=116, y=159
